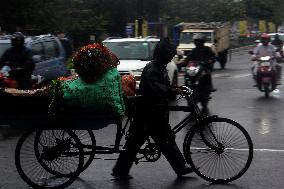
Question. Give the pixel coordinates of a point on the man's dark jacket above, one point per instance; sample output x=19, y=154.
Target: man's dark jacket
x=201, y=54
x=155, y=83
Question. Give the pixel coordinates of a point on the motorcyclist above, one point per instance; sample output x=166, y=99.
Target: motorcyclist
x=19, y=59
x=151, y=120
x=277, y=42
x=202, y=53
x=266, y=49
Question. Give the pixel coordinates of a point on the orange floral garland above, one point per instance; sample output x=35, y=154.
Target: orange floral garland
x=93, y=60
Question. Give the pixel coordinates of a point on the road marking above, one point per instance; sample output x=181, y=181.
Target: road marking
x=218, y=75
x=241, y=75
x=221, y=75
x=268, y=150
x=261, y=150
x=231, y=76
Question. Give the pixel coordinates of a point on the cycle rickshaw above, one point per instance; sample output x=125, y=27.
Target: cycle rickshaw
x=53, y=152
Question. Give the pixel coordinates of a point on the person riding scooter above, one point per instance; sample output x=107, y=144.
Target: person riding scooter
x=266, y=49
x=19, y=60
x=202, y=53
x=278, y=43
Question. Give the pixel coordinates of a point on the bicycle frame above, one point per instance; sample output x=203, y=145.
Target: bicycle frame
x=195, y=115
x=122, y=129
x=67, y=144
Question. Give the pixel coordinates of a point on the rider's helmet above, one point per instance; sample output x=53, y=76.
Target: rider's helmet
x=18, y=39
x=265, y=38
x=199, y=36
x=199, y=39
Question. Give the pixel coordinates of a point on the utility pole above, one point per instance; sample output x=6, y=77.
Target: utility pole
x=140, y=16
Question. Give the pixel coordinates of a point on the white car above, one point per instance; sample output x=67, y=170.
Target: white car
x=134, y=54
x=281, y=36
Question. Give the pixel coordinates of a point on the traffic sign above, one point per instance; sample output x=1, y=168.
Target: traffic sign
x=129, y=30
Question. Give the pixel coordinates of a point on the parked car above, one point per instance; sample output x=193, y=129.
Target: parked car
x=49, y=52
x=135, y=53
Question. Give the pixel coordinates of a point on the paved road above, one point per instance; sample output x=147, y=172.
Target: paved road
x=235, y=98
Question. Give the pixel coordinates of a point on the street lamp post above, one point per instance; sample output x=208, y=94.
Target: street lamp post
x=140, y=16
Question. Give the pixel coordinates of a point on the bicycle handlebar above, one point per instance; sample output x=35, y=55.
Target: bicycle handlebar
x=185, y=91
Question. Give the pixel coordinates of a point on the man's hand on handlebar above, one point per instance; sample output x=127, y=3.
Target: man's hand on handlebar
x=182, y=90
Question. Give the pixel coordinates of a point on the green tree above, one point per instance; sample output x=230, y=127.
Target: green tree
x=86, y=17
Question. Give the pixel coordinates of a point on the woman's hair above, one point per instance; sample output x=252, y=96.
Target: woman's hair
x=92, y=61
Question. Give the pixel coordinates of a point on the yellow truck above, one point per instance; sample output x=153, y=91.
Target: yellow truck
x=218, y=38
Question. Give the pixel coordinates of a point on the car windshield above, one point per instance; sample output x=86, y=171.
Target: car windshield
x=186, y=37
x=4, y=47
x=130, y=50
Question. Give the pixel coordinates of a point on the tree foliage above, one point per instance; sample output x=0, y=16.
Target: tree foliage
x=83, y=17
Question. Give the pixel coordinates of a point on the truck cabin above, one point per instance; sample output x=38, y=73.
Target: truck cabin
x=186, y=42
x=186, y=36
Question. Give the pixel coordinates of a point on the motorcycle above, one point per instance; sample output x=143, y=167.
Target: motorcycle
x=8, y=82
x=266, y=75
x=196, y=78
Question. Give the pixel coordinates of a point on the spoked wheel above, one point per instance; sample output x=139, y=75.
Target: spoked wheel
x=88, y=141
x=221, y=153
x=49, y=158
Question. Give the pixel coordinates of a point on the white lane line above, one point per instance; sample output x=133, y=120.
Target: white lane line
x=268, y=150
x=241, y=75
x=236, y=149
x=221, y=75
x=226, y=75
x=231, y=76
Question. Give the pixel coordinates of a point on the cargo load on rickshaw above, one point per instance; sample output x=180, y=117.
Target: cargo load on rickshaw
x=95, y=91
